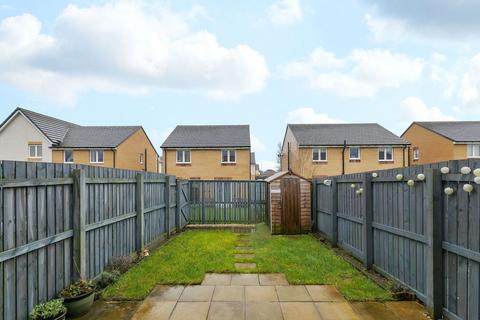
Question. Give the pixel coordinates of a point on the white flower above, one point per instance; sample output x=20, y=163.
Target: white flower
x=445, y=170
x=465, y=170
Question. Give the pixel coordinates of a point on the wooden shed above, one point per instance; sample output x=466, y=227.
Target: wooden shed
x=290, y=203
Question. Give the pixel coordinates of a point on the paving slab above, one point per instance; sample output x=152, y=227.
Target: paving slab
x=261, y=293
x=407, y=310
x=166, y=293
x=373, y=311
x=153, y=309
x=214, y=279
x=293, y=293
x=273, y=279
x=263, y=311
x=229, y=293
x=226, y=310
x=190, y=310
x=325, y=293
x=197, y=293
x=111, y=310
x=245, y=265
x=245, y=279
x=300, y=310
x=244, y=256
x=336, y=310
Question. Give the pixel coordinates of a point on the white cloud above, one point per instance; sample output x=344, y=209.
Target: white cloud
x=257, y=144
x=383, y=29
x=126, y=47
x=469, y=91
x=308, y=115
x=285, y=12
x=267, y=164
x=361, y=74
x=416, y=110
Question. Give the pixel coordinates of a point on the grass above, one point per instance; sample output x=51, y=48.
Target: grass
x=305, y=260
x=185, y=260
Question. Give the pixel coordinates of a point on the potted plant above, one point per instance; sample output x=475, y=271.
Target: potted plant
x=78, y=298
x=51, y=310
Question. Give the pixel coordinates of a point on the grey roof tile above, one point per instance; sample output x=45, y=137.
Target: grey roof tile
x=208, y=136
x=458, y=131
x=336, y=134
x=97, y=137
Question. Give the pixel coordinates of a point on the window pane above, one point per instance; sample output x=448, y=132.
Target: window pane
x=388, y=153
x=354, y=153
x=224, y=155
x=92, y=156
x=187, y=156
x=315, y=155
x=68, y=155
x=39, y=151
x=323, y=154
x=32, y=151
x=100, y=156
x=381, y=154
x=179, y=156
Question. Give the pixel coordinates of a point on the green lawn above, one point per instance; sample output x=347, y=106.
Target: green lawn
x=186, y=259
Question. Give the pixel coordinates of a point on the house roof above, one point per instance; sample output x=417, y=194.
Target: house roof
x=336, y=134
x=97, y=137
x=208, y=136
x=54, y=129
x=458, y=131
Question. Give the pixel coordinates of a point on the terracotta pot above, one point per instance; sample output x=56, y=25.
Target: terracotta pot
x=80, y=305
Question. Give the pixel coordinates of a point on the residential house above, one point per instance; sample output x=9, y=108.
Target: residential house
x=30, y=136
x=444, y=140
x=319, y=150
x=209, y=152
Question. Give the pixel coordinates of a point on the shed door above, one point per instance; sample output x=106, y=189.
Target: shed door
x=290, y=187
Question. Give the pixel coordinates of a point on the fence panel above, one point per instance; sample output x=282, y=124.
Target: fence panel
x=224, y=202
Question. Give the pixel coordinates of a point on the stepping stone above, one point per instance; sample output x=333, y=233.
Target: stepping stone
x=373, y=311
x=153, y=309
x=226, y=310
x=325, y=294
x=190, y=310
x=336, y=310
x=245, y=265
x=273, y=279
x=245, y=279
x=244, y=256
x=263, y=311
x=229, y=293
x=213, y=279
x=260, y=294
x=300, y=310
x=166, y=293
x=293, y=293
x=197, y=293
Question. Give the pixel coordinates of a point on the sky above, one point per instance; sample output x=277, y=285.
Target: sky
x=265, y=63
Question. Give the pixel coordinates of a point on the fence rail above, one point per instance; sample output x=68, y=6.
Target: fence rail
x=418, y=235
x=220, y=202
x=61, y=222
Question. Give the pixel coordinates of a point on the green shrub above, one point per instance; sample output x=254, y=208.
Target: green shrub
x=76, y=289
x=49, y=310
x=107, y=278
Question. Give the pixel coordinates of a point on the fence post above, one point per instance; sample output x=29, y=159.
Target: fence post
x=249, y=204
x=79, y=216
x=334, y=212
x=367, y=221
x=314, y=205
x=167, y=206
x=433, y=232
x=178, y=207
x=203, y=202
x=139, y=208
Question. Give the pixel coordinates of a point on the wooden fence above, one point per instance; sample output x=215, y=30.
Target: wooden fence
x=425, y=239
x=62, y=222
x=221, y=202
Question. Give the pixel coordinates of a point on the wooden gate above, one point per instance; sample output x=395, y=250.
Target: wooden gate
x=290, y=190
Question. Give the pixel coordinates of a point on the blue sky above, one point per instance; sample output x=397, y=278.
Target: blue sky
x=263, y=63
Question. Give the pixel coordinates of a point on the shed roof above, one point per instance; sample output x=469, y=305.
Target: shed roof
x=280, y=174
x=458, y=131
x=336, y=134
x=208, y=136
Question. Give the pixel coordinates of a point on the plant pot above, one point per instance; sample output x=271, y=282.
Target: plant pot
x=62, y=316
x=80, y=305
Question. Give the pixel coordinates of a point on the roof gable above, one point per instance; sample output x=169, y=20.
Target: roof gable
x=457, y=131
x=209, y=136
x=335, y=134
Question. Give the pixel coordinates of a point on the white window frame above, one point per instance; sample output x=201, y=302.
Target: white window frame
x=416, y=153
x=96, y=152
x=384, y=153
x=183, y=151
x=319, y=151
x=350, y=153
x=472, y=147
x=229, y=156
x=140, y=158
x=36, y=146
x=65, y=154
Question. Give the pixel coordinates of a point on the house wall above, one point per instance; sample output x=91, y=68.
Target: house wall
x=433, y=147
x=128, y=153
x=206, y=164
x=83, y=157
x=15, y=137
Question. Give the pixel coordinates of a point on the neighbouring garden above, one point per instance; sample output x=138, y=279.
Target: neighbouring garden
x=186, y=258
